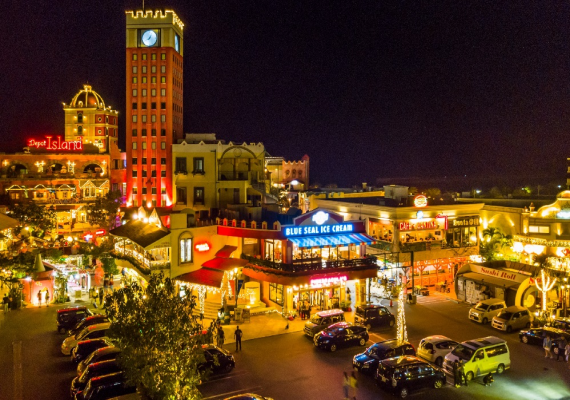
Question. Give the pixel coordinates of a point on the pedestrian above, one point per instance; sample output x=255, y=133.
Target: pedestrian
x=11, y=305
x=462, y=373
x=101, y=295
x=5, y=303
x=561, y=348
x=488, y=379
x=237, y=335
x=346, y=385
x=546, y=344
x=47, y=298
x=91, y=295
x=456, y=377
x=567, y=351
x=353, y=384
x=221, y=336
x=39, y=299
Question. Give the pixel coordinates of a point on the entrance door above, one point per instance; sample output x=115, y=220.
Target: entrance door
x=500, y=293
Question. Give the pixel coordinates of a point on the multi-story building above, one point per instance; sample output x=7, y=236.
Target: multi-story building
x=293, y=175
x=154, y=50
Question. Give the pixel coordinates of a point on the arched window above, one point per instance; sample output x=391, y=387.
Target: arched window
x=80, y=130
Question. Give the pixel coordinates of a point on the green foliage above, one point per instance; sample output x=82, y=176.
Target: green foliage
x=54, y=254
x=433, y=193
x=60, y=288
x=38, y=218
x=159, y=334
x=104, y=209
x=109, y=265
x=22, y=262
x=493, y=242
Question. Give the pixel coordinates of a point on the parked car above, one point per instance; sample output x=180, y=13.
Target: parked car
x=86, y=347
x=367, y=362
x=341, y=334
x=88, y=321
x=103, y=354
x=435, y=348
x=93, y=370
x=90, y=332
x=322, y=320
x=67, y=318
x=217, y=360
x=402, y=375
x=480, y=356
x=373, y=315
x=248, y=396
x=513, y=317
x=560, y=323
x=485, y=310
x=536, y=336
x=105, y=387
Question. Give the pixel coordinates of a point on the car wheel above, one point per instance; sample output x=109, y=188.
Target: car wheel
x=500, y=369
x=228, y=367
x=439, y=361
x=333, y=347
x=362, y=342
x=391, y=323
x=524, y=340
x=438, y=384
x=509, y=329
x=403, y=393
x=485, y=320
x=469, y=376
x=368, y=326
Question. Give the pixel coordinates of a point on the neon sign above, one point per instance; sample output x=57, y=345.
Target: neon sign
x=333, y=280
x=420, y=201
x=202, y=247
x=320, y=218
x=100, y=232
x=318, y=230
x=407, y=226
x=56, y=144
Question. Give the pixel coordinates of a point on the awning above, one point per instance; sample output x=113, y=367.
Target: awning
x=203, y=276
x=254, y=192
x=336, y=240
x=226, y=251
x=224, y=264
x=486, y=279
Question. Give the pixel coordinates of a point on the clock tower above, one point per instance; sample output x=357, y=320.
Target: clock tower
x=154, y=104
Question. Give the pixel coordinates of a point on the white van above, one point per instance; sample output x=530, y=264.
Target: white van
x=480, y=356
x=485, y=310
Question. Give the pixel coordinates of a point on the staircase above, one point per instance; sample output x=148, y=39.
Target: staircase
x=211, y=309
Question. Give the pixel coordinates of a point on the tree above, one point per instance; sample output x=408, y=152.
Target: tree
x=493, y=242
x=109, y=265
x=496, y=193
x=104, y=209
x=38, y=219
x=159, y=332
x=433, y=193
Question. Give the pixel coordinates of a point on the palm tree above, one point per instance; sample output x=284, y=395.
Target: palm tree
x=493, y=242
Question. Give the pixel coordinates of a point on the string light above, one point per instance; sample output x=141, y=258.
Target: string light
x=401, y=333
x=545, y=287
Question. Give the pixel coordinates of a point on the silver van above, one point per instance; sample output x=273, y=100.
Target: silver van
x=513, y=317
x=322, y=320
x=480, y=356
x=485, y=310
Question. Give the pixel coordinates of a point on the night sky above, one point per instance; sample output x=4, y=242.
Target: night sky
x=367, y=89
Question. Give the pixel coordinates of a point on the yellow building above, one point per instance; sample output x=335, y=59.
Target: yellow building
x=88, y=119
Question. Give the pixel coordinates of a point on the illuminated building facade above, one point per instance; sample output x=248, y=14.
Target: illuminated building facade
x=281, y=172
x=89, y=120
x=154, y=50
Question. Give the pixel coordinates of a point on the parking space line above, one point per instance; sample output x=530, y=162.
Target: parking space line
x=217, y=379
x=233, y=392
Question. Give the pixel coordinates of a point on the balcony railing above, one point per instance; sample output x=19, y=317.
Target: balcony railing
x=253, y=176
x=432, y=245
x=315, y=264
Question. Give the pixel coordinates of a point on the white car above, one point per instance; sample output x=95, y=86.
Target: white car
x=89, y=332
x=435, y=348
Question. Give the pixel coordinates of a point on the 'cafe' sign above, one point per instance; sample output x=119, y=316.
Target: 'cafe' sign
x=55, y=144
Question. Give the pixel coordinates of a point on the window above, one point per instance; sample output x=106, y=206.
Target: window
x=199, y=196
x=143, y=93
x=181, y=164
x=144, y=79
x=144, y=67
x=163, y=145
x=153, y=190
x=135, y=69
x=163, y=79
x=80, y=130
x=163, y=105
x=153, y=161
x=144, y=57
x=180, y=195
x=135, y=190
x=143, y=132
x=144, y=160
x=143, y=190
x=539, y=229
x=163, y=118
x=153, y=105
x=135, y=79
x=135, y=106
x=79, y=118
x=163, y=161
x=186, y=250
x=163, y=56
x=135, y=118
x=276, y=293
x=163, y=69
x=144, y=145
x=153, y=118
x=162, y=92
x=144, y=118
x=163, y=190
x=134, y=174
x=153, y=69
x=135, y=161
x=153, y=145
x=153, y=132
x=153, y=174
x=163, y=132
x=143, y=106
x=144, y=173
x=134, y=57
x=134, y=93
x=153, y=56
x=153, y=79
x=163, y=174
x=198, y=165
x=153, y=92
x=134, y=145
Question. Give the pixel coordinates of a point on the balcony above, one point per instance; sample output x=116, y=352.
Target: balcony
x=251, y=176
x=316, y=264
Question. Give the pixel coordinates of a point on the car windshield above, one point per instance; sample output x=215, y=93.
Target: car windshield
x=372, y=351
x=505, y=315
x=463, y=352
x=83, y=333
x=482, y=306
x=315, y=319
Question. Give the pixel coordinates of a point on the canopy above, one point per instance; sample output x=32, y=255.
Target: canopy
x=203, y=276
x=336, y=240
x=224, y=264
x=226, y=251
x=486, y=279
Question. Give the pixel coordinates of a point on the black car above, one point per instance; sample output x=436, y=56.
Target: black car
x=373, y=315
x=560, y=323
x=105, y=387
x=67, y=318
x=93, y=370
x=217, y=360
x=536, y=336
x=86, y=347
x=367, y=362
x=402, y=375
x=88, y=321
x=341, y=334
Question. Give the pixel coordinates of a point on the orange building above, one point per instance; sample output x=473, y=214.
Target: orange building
x=154, y=104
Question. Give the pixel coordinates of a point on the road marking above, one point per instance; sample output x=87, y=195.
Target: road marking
x=234, y=392
x=217, y=379
x=17, y=349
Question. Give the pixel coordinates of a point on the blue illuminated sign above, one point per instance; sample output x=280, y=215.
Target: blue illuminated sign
x=317, y=230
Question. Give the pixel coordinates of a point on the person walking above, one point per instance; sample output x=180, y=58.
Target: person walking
x=567, y=352
x=353, y=384
x=101, y=295
x=39, y=299
x=221, y=336
x=346, y=385
x=456, y=377
x=546, y=344
x=561, y=348
x=47, y=298
x=237, y=335
x=488, y=379
x=462, y=374
x=5, y=303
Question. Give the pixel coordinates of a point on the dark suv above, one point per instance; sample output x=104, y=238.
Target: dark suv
x=88, y=321
x=86, y=347
x=561, y=323
x=217, y=360
x=373, y=315
x=67, y=318
x=93, y=370
x=105, y=387
x=340, y=335
x=367, y=362
x=402, y=375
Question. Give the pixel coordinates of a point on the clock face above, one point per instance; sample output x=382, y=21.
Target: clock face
x=149, y=38
x=177, y=43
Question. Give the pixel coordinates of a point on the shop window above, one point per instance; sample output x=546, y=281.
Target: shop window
x=276, y=293
x=186, y=250
x=539, y=229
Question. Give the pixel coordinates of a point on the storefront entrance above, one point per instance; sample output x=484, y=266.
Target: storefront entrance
x=318, y=299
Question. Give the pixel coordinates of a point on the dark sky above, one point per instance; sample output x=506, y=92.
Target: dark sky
x=366, y=88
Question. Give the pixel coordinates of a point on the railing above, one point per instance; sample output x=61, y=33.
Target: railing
x=312, y=264
x=253, y=176
x=432, y=245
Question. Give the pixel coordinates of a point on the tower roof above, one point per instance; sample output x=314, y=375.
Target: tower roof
x=87, y=98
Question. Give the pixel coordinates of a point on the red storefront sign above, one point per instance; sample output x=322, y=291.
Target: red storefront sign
x=328, y=281
x=202, y=247
x=56, y=144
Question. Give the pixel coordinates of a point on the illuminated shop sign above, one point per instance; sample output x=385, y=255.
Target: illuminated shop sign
x=420, y=201
x=318, y=230
x=202, y=247
x=465, y=221
x=333, y=280
x=409, y=226
x=100, y=232
x=56, y=144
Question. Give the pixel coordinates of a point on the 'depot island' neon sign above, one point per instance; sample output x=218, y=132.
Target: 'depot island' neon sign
x=318, y=230
x=56, y=144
